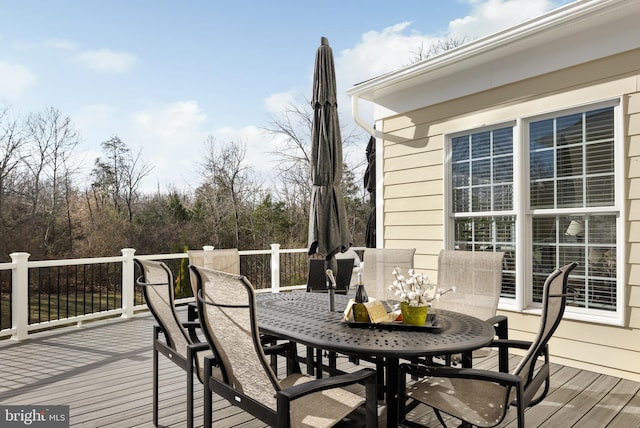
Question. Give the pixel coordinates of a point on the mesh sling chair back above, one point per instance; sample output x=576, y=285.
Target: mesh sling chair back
x=157, y=285
x=229, y=322
x=377, y=270
x=224, y=260
x=477, y=276
x=482, y=397
x=317, y=278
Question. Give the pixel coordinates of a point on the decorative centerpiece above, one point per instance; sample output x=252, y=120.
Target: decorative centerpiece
x=415, y=293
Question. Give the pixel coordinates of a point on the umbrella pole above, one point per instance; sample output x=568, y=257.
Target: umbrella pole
x=329, y=264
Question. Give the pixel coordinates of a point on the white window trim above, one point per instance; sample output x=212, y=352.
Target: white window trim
x=523, y=301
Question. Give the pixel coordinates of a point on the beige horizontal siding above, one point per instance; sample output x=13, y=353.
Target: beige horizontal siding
x=434, y=202
x=411, y=218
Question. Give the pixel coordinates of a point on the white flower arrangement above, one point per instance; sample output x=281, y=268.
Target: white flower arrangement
x=416, y=290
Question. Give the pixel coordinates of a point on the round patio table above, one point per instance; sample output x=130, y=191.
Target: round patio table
x=305, y=318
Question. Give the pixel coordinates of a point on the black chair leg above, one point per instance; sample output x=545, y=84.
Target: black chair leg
x=310, y=362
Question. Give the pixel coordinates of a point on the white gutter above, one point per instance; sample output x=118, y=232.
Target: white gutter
x=355, y=113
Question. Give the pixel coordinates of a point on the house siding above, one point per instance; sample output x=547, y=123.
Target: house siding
x=414, y=190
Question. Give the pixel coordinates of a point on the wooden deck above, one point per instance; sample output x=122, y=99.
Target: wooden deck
x=103, y=372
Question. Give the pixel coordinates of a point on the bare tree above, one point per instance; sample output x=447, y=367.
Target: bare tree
x=51, y=140
x=11, y=144
x=436, y=48
x=228, y=176
x=133, y=172
x=294, y=166
x=118, y=177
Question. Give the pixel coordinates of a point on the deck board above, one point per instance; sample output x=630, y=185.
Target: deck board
x=102, y=370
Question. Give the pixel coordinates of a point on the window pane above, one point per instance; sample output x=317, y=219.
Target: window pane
x=569, y=129
x=502, y=141
x=570, y=161
x=460, y=174
x=480, y=145
x=602, y=229
x=541, y=133
x=542, y=194
x=541, y=164
x=599, y=124
x=503, y=169
x=459, y=148
x=461, y=200
x=463, y=233
x=503, y=198
x=600, y=158
x=570, y=193
x=481, y=199
x=481, y=172
x=600, y=191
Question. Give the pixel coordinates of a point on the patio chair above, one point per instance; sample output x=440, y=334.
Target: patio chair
x=482, y=397
x=477, y=276
x=225, y=260
x=157, y=285
x=377, y=272
x=317, y=278
x=377, y=275
x=229, y=321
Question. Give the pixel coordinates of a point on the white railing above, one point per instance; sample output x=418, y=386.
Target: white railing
x=20, y=305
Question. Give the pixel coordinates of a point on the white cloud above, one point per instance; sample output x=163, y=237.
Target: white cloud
x=171, y=138
x=15, y=79
x=276, y=103
x=107, y=60
x=61, y=44
x=490, y=16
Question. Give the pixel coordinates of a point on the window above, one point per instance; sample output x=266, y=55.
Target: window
x=568, y=207
x=482, y=197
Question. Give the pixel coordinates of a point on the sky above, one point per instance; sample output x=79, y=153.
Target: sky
x=163, y=76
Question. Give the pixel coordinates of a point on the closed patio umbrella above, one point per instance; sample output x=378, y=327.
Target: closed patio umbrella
x=370, y=185
x=328, y=231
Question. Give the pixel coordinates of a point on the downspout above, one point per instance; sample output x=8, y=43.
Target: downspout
x=355, y=113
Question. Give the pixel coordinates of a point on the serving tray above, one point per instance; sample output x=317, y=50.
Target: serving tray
x=431, y=325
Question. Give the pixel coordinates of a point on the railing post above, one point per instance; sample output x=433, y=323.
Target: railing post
x=20, y=296
x=127, y=281
x=275, y=268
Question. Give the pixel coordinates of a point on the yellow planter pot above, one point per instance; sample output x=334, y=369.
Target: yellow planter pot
x=413, y=315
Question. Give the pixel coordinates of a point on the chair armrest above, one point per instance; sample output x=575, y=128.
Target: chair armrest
x=199, y=346
x=300, y=390
x=466, y=373
x=191, y=324
x=192, y=311
x=277, y=348
x=500, y=323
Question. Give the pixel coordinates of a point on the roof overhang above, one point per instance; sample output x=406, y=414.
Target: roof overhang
x=576, y=33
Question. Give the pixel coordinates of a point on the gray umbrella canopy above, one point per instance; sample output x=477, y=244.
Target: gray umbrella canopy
x=370, y=185
x=328, y=232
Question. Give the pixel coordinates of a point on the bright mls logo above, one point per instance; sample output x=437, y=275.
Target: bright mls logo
x=34, y=416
